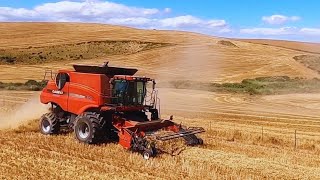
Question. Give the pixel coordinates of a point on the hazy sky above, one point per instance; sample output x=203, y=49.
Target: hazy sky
x=276, y=19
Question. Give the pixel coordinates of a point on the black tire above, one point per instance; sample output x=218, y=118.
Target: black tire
x=200, y=141
x=192, y=140
x=154, y=114
x=88, y=128
x=49, y=124
x=147, y=154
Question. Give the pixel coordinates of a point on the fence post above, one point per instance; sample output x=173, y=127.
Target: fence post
x=262, y=133
x=295, y=139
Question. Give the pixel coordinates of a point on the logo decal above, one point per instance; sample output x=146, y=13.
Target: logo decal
x=57, y=92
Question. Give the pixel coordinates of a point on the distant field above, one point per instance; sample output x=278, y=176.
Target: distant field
x=294, y=45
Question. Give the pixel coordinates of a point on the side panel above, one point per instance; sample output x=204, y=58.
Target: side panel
x=81, y=98
x=52, y=94
x=87, y=91
x=125, y=139
x=84, y=91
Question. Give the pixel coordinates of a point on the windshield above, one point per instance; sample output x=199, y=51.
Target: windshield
x=128, y=92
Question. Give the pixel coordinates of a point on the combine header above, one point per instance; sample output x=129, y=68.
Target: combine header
x=109, y=103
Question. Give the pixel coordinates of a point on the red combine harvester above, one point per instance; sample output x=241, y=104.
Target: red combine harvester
x=108, y=103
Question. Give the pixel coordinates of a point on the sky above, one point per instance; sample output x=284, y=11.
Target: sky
x=272, y=19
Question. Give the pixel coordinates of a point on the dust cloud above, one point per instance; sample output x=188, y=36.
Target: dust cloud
x=194, y=63
x=30, y=110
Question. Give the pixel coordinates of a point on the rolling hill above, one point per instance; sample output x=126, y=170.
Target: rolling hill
x=165, y=55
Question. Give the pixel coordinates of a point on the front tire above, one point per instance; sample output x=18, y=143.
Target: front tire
x=88, y=129
x=49, y=124
x=148, y=153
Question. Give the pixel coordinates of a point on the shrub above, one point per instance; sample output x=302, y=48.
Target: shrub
x=31, y=82
x=8, y=59
x=233, y=85
x=247, y=81
x=259, y=86
x=11, y=88
x=34, y=88
x=31, y=85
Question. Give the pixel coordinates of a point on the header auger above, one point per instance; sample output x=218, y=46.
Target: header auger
x=101, y=103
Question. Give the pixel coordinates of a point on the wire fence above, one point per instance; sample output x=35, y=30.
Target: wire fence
x=290, y=137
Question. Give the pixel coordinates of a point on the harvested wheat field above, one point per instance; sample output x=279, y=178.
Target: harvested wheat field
x=248, y=136
x=299, y=46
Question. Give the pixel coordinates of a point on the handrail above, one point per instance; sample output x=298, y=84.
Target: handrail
x=48, y=71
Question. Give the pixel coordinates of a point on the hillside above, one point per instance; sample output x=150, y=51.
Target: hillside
x=169, y=54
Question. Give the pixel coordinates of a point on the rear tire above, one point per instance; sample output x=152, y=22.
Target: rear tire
x=49, y=124
x=88, y=128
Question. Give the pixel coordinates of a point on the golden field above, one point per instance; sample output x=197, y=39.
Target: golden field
x=247, y=136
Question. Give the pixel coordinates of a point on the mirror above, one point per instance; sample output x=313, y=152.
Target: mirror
x=154, y=84
x=61, y=80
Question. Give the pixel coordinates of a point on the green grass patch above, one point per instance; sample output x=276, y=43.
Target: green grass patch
x=257, y=86
x=30, y=85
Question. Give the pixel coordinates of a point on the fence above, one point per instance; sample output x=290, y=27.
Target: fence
x=278, y=136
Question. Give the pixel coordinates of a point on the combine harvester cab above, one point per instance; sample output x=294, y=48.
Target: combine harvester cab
x=102, y=103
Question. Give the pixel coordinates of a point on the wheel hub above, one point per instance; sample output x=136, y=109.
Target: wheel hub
x=83, y=130
x=146, y=155
x=46, y=125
